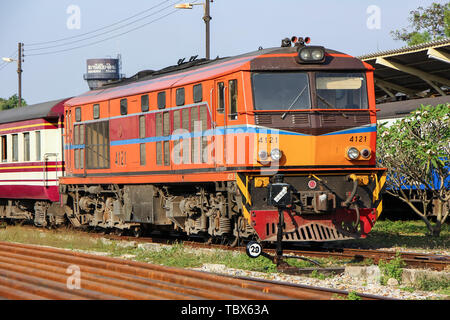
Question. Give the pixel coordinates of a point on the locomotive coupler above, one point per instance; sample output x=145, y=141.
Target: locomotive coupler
x=280, y=196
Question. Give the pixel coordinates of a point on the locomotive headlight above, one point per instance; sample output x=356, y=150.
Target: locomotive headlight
x=276, y=154
x=353, y=153
x=262, y=155
x=365, y=153
x=311, y=54
x=317, y=55
x=305, y=55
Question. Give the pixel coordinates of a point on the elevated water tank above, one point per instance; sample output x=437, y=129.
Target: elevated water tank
x=102, y=71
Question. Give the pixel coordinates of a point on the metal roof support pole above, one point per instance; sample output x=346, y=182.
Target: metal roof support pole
x=438, y=55
x=394, y=86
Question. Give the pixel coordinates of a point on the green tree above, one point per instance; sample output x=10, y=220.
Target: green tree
x=11, y=103
x=416, y=151
x=426, y=24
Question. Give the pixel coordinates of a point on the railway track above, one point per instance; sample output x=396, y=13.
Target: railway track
x=416, y=260
x=35, y=272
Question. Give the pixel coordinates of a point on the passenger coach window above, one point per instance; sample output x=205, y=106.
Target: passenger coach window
x=161, y=100
x=341, y=91
x=144, y=103
x=4, y=149
x=123, y=107
x=281, y=91
x=220, y=97
x=180, y=97
x=197, y=93
x=26, y=146
x=233, y=99
x=15, y=147
x=38, y=145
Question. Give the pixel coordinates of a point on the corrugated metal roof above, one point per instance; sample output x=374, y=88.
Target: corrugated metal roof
x=417, y=71
x=49, y=109
x=407, y=49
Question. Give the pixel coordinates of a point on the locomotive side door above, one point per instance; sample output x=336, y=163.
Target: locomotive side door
x=219, y=110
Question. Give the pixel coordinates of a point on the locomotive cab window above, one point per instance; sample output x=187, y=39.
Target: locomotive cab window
x=197, y=93
x=161, y=100
x=341, y=91
x=144, y=103
x=281, y=91
x=180, y=97
x=220, y=97
x=96, y=111
x=233, y=99
x=78, y=114
x=123, y=107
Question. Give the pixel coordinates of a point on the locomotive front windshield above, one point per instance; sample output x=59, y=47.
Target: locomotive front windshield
x=281, y=90
x=341, y=91
x=291, y=90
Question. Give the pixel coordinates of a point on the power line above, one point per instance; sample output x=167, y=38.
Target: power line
x=96, y=30
x=103, y=40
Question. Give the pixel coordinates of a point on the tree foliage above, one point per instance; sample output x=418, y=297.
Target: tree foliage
x=426, y=24
x=416, y=152
x=11, y=103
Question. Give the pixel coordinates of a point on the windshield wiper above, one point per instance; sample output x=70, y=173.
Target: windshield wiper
x=292, y=104
x=325, y=101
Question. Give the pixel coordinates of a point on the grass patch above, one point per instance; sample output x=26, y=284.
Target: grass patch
x=391, y=269
x=410, y=234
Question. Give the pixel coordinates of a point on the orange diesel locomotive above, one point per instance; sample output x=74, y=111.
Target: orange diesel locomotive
x=218, y=148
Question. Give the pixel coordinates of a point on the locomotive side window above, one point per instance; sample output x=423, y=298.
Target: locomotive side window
x=38, y=145
x=161, y=100
x=185, y=126
x=26, y=146
x=144, y=103
x=220, y=97
x=195, y=127
x=166, y=131
x=142, y=127
x=158, y=133
x=341, y=91
x=142, y=154
x=197, y=93
x=142, y=130
x=78, y=114
x=281, y=91
x=97, y=145
x=233, y=99
x=123, y=107
x=15, y=147
x=204, y=124
x=96, y=111
x=180, y=97
x=176, y=143
x=4, y=149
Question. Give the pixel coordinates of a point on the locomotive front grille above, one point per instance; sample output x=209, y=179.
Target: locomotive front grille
x=309, y=232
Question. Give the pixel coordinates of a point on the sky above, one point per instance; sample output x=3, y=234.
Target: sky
x=164, y=34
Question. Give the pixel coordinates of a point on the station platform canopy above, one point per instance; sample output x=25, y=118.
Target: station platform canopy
x=415, y=72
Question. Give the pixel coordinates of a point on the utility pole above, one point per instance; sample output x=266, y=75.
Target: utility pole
x=207, y=18
x=19, y=71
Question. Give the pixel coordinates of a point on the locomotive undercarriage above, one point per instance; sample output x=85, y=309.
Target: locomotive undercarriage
x=210, y=210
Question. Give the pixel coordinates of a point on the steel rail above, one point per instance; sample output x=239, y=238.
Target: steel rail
x=36, y=272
